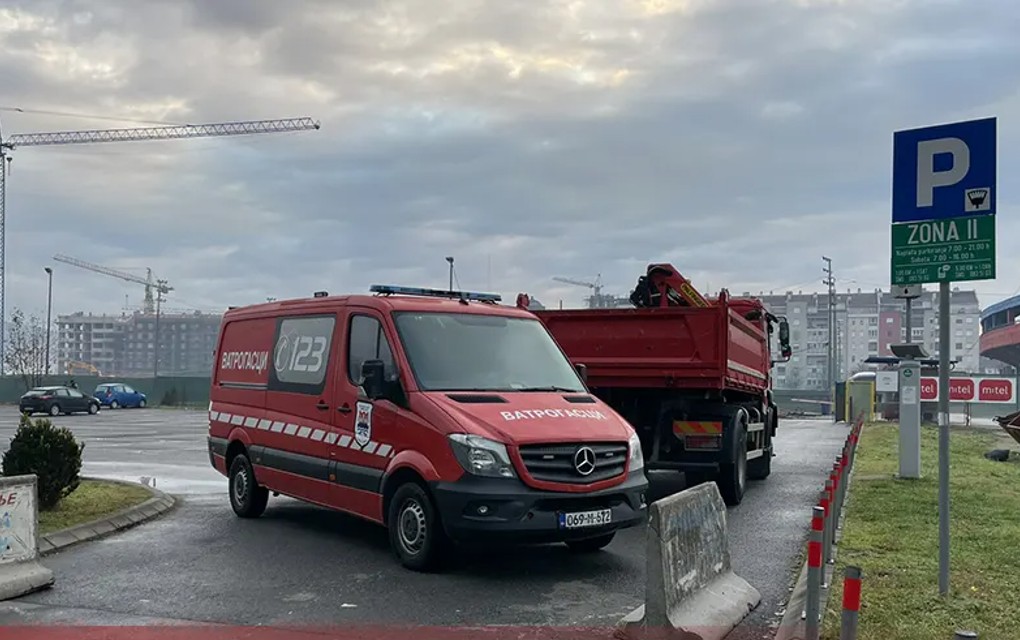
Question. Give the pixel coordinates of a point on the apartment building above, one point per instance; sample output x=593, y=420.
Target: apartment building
x=867, y=323
x=124, y=345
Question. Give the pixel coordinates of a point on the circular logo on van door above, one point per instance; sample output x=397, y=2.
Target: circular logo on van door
x=584, y=461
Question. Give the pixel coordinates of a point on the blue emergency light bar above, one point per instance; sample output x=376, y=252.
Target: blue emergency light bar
x=388, y=289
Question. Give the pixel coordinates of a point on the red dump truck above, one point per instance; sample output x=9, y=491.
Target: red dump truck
x=691, y=375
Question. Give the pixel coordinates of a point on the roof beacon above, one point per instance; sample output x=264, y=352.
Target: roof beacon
x=464, y=296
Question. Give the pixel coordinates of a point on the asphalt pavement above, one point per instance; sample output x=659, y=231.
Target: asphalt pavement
x=300, y=564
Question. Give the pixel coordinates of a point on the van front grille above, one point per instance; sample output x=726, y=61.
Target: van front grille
x=556, y=462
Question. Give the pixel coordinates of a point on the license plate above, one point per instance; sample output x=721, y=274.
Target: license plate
x=586, y=519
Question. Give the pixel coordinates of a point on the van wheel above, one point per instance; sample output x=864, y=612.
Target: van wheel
x=733, y=475
x=247, y=498
x=591, y=545
x=416, y=535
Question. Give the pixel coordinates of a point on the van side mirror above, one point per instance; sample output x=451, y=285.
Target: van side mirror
x=582, y=372
x=372, y=378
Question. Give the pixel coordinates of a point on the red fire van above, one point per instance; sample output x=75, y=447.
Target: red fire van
x=442, y=415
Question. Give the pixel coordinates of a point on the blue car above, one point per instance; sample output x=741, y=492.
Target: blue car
x=117, y=395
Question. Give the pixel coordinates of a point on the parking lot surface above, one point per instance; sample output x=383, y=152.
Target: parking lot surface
x=300, y=564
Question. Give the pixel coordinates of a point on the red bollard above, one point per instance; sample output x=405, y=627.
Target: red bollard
x=816, y=572
x=851, y=603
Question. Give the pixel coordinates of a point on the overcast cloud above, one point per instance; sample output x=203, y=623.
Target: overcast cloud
x=738, y=139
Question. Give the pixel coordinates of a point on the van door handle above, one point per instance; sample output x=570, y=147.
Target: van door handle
x=322, y=406
x=345, y=408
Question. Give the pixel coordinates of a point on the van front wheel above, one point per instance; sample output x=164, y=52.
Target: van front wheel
x=247, y=498
x=416, y=534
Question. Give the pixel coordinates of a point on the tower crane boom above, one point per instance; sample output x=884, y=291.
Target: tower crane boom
x=170, y=132
x=160, y=286
x=134, y=134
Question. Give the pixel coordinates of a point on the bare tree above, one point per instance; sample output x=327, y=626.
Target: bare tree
x=25, y=351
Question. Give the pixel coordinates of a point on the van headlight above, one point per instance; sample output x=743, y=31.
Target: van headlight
x=482, y=457
x=637, y=459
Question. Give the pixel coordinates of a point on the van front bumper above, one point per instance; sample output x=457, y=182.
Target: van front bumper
x=503, y=509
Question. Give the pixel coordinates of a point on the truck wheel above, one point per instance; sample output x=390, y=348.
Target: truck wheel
x=247, y=498
x=733, y=475
x=591, y=545
x=416, y=534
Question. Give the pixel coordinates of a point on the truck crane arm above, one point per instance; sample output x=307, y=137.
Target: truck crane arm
x=171, y=132
x=664, y=286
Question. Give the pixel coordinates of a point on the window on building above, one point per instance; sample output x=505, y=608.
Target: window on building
x=959, y=346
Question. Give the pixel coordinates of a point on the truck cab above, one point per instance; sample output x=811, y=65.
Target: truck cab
x=441, y=415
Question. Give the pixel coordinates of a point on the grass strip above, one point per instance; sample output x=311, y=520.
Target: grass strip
x=93, y=499
x=891, y=532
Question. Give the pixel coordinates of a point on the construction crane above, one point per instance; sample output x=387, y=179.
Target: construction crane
x=596, y=287
x=135, y=134
x=147, y=282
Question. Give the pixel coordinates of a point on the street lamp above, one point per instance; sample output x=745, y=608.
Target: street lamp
x=49, y=311
x=450, y=260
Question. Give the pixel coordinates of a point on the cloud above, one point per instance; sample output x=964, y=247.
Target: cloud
x=739, y=139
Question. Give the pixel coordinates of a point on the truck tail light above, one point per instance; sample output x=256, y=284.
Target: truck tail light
x=702, y=442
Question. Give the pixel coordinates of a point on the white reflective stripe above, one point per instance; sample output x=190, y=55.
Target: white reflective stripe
x=301, y=431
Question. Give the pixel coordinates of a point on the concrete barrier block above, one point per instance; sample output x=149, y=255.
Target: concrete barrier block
x=20, y=571
x=691, y=591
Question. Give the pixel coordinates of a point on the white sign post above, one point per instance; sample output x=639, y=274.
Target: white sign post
x=20, y=571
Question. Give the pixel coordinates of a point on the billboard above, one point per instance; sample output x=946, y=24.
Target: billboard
x=967, y=389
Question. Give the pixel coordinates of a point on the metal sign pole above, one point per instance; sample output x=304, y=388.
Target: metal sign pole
x=944, y=324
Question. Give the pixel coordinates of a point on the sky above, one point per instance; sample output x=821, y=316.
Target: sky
x=740, y=140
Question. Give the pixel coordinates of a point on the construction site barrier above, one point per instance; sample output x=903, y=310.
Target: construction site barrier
x=20, y=571
x=691, y=590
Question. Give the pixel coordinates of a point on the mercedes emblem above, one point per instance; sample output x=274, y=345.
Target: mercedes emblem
x=584, y=461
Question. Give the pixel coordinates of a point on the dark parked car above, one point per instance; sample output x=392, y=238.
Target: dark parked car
x=57, y=400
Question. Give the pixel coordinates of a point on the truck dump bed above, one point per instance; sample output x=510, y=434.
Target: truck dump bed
x=674, y=347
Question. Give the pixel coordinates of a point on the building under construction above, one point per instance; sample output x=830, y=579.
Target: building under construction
x=124, y=345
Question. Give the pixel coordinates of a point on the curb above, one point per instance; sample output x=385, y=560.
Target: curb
x=791, y=627
x=152, y=508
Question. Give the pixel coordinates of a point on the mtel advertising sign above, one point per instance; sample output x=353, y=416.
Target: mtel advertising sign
x=994, y=390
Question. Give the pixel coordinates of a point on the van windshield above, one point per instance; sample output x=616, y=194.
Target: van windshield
x=471, y=352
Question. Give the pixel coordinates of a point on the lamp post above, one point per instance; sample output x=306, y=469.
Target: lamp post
x=49, y=312
x=450, y=260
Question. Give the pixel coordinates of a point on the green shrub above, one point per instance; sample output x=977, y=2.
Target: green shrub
x=170, y=398
x=51, y=453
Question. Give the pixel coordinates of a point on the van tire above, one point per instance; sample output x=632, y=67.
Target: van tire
x=247, y=497
x=591, y=545
x=732, y=479
x=416, y=533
